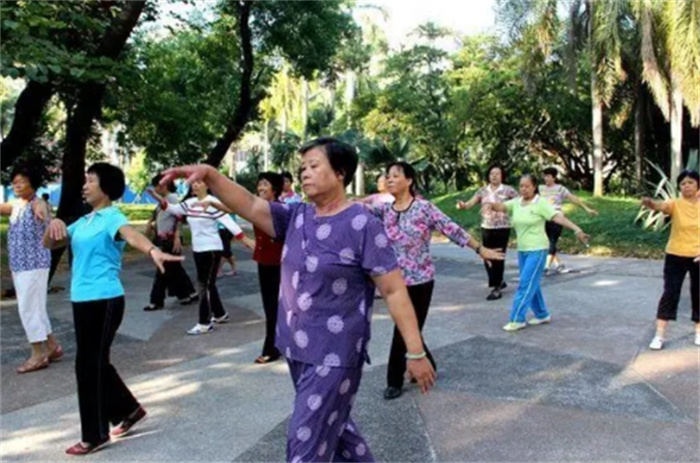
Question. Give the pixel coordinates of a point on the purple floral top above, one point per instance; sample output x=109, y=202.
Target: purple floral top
x=491, y=219
x=325, y=294
x=410, y=233
x=24, y=239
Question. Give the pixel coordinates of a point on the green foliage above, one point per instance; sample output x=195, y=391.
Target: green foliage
x=138, y=175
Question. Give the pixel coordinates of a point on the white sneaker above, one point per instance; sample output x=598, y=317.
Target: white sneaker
x=657, y=343
x=514, y=326
x=200, y=329
x=222, y=319
x=697, y=339
x=539, y=321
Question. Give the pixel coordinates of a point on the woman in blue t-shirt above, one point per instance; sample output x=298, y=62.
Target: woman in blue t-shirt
x=98, y=240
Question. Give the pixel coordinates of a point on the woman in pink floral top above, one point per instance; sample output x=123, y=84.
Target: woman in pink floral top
x=409, y=223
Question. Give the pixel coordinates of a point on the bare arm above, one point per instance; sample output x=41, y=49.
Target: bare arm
x=658, y=206
x=561, y=219
x=393, y=290
x=139, y=241
x=476, y=199
x=56, y=235
x=239, y=200
x=579, y=202
x=496, y=207
x=5, y=209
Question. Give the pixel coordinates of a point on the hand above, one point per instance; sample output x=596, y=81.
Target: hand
x=159, y=257
x=647, y=202
x=592, y=212
x=491, y=254
x=248, y=243
x=423, y=373
x=41, y=210
x=486, y=208
x=697, y=259
x=177, y=244
x=57, y=230
x=191, y=173
x=582, y=237
x=461, y=205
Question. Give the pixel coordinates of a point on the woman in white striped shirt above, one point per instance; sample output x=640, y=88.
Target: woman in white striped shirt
x=204, y=213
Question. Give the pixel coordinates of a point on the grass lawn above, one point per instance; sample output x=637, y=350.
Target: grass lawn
x=613, y=232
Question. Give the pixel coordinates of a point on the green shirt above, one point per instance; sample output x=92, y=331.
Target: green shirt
x=529, y=221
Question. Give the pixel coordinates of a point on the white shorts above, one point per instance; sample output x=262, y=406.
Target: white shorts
x=31, y=287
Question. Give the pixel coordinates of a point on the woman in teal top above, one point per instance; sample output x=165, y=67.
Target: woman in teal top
x=98, y=240
x=528, y=215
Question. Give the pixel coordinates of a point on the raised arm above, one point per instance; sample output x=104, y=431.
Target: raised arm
x=579, y=202
x=561, y=219
x=393, y=289
x=56, y=235
x=496, y=207
x=239, y=200
x=139, y=241
x=476, y=199
x=5, y=209
x=658, y=206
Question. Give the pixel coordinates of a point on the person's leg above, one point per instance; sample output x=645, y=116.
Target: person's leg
x=674, y=274
x=89, y=320
x=694, y=269
x=553, y=233
x=320, y=428
x=269, y=278
x=488, y=240
x=31, y=304
x=531, y=264
x=538, y=306
x=203, y=262
x=217, y=308
x=501, y=235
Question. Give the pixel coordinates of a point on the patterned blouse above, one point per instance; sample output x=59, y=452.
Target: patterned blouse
x=24, y=240
x=492, y=219
x=410, y=231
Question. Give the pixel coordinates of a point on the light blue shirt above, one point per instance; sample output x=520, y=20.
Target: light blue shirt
x=97, y=255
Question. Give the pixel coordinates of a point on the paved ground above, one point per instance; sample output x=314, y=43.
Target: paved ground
x=584, y=388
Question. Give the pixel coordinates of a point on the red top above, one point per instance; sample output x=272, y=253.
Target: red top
x=267, y=250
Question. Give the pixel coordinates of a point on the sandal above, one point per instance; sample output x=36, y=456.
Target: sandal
x=28, y=367
x=81, y=448
x=263, y=359
x=56, y=354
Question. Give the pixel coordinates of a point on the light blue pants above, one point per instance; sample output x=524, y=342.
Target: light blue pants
x=529, y=294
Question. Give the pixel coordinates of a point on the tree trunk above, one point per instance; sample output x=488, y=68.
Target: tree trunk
x=25, y=125
x=676, y=127
x=89, y=104
x=360, y=179
x=597, y=140
x=639, y=139
x=246, y=103
x=305, y=109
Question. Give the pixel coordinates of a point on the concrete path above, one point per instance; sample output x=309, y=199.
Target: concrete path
x=584, y=388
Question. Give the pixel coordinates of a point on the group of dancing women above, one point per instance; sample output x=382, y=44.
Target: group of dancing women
x=320, y=262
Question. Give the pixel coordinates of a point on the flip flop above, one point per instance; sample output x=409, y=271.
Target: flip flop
x=56, y=354
x=263, y=359
x=27, y=367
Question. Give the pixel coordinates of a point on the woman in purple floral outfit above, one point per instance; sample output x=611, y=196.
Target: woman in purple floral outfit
x=409, y=223
x=335, y=252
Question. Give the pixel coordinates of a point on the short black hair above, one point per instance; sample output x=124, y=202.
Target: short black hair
x=288, y=175
x=275, y=179
x=408, y=171
x=688, y=173
x=32, y=174
x=553, y=171
x=111, y=179
x=341, y=156
x=499, y=167
x=155, y=181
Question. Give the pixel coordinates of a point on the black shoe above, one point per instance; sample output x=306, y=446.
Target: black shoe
x=495, y=294
x=392, y=393
x=151, y=307
x=503, y=286
x=189, y=300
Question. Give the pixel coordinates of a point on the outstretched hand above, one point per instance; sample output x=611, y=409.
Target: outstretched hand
x=159, y=258
x=57, y=230
x=582, y=237
x=190, y=173
x=422, y=371
x=491, y=254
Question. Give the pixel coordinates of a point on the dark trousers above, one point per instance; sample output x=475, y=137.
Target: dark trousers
x=495, y=238
x=675, y=269
x=103, y=397
x=269, y=276
x=553, y=233
x=207, y=264
x=175, y=278
x=420, y=298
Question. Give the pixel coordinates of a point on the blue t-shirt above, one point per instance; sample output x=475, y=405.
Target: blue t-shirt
x=97, y=255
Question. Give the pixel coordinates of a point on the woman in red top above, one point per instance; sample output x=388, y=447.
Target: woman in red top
x=268, y=255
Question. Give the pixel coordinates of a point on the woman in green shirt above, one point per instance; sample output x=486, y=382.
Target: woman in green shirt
x=528, y=215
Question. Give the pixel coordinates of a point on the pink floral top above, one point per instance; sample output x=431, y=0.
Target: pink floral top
x=410, y=231
x=492, y=219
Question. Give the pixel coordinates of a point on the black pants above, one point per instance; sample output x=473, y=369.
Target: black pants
x=226, y=237
x=207, y=264
x=495, y=238
x=269, y=276
x=420, y=298
x=103, y=397
x=553, y=233
x=675, y=269
x=175, y=278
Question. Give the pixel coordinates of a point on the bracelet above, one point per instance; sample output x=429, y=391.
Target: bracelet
x=410, y=356
x=478, y=250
